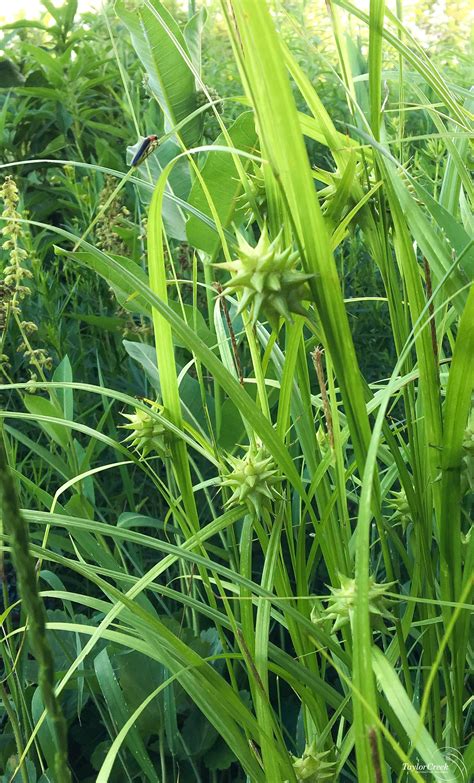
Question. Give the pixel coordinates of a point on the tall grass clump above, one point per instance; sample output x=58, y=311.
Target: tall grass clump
x=255, y=555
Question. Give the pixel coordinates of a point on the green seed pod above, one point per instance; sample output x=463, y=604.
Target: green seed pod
x=252, y=479
x=312, y=766
x=342, y=602
x=402, y=509
x=267, y=280
x=255, y=197
x=147, y=433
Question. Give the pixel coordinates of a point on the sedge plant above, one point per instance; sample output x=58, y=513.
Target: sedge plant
x=289, y=563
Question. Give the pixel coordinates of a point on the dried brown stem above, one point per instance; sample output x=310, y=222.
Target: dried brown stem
x=318, y=366
x=233, y=341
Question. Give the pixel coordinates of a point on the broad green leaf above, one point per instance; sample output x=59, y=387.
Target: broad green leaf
x=189, y=390
x=145, y=355
x=232, y=430
x=193, y=37
x=376, y=23
x=178, y=186
x=454, y=232
x=55, y=11
x=104, y=323
x=129, y=300
x=457, y=408
x=26, y=775
x=109, y=760
x=23, y=24
x=220, y=757
x=120, y=711
x=51, y=66
x=160, y=46
x=45, y=734
x=10, y=75
x=432, y=245
x=41, y=406
x=53, y=146
x=390, y=684
x=222, y=180
x=63, y=372
x=69, y=12
x=54, y=460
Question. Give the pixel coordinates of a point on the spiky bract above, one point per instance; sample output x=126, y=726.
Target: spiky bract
x=342, y=601
x=252, y=479
x=147, y=433
x=312, y=767
x=267, y=280
x=254, y=198
x=399, y=502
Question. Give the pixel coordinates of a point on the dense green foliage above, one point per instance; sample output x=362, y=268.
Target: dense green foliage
x=235, y=395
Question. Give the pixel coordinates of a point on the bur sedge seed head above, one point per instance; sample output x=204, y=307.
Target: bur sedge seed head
x=254, y=198
x=402, y=511
x=266, y=278
x=312, y=766
x=147, y=434
x=342, y=601
x=252, y=479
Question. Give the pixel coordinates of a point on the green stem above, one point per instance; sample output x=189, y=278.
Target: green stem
x=34, y=609
x=15, y=728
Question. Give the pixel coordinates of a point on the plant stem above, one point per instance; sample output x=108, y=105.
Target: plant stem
x=34, y=609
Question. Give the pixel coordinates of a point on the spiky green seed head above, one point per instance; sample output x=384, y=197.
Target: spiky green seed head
x=343, y=599
x=252, y=479
x=254, y=198
x=322, y=438
x=402, y=510
x=267, y=280
x=146, y=433
x=313, y=767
